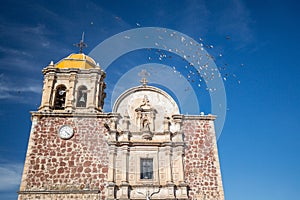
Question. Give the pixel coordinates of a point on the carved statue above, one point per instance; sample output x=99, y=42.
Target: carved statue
x=145, y=118
x=146, y=123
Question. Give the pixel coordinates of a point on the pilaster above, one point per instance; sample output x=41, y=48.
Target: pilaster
x=111, y=187
x=48, y=88
x=91, y=103
x=178, y=134
x=123, y=193
x=113, y=127
x=125, y=135
x=70, y=92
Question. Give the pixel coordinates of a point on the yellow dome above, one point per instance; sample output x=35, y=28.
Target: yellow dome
x=79, y=61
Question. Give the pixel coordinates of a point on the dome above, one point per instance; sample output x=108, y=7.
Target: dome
x=79, y=61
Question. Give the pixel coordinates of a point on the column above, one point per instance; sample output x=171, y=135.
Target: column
x=91, y=102
x=113, y=127
x=124, y=187
x=181, y=192
x=47, y=91
x=170, y=184
x=125, y=133
x=70, y=93
x=178, y=135
x=169, y=177
x=111, y=173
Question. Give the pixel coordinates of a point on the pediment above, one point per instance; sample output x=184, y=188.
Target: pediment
x=146, y=108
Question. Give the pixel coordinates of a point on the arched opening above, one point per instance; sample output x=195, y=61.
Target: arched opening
x=81, y=96
x=60, y=97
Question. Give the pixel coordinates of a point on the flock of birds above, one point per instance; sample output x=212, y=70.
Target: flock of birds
x=196, y=69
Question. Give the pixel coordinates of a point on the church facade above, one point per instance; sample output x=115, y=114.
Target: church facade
x=144, y=149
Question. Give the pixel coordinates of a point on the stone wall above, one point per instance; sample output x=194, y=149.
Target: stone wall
x=77, y=165
x=78, y=168
x=58, y=196
x=201, y=163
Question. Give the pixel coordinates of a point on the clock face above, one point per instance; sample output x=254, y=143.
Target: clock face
x=66, y=132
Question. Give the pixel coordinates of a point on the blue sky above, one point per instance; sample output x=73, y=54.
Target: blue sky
x=259, y=46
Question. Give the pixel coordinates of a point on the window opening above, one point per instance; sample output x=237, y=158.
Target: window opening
x=146, y=168
x=60, y=97
x=81, y=97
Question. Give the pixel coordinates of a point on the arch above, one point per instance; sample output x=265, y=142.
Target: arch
x=60, y=97
x=81, y=96
x=147, y=107
x=141, y=89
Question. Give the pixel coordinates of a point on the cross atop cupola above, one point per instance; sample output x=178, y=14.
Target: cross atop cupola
x=144, y=73
x=81, y=44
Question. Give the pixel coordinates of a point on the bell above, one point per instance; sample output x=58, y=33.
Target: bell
x=61, y=92
x=82, y=100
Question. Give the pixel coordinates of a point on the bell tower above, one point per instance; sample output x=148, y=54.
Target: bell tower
x=67, y=152
x=74, y=84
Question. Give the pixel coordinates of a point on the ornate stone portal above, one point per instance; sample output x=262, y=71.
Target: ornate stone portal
x=149, y=159
x=145, y=119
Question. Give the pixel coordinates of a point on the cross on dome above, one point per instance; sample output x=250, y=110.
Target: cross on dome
x=81, y=44
x=144, y=73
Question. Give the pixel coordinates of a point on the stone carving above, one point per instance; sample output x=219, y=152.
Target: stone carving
x=145, y=118
x=145, y=104
x=145, y=123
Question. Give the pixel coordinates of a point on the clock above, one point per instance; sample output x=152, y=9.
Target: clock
x=65, y=132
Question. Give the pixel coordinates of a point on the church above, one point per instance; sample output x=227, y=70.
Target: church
x=144, y=149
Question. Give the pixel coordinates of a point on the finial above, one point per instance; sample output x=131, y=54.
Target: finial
x=144, y=74
x=81, y=44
